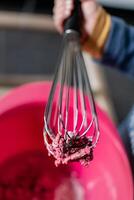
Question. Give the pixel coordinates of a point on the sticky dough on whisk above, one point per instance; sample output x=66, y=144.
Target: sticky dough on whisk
x=72, y=148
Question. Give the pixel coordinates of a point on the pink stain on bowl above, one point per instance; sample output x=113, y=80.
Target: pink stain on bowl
x=24, y=157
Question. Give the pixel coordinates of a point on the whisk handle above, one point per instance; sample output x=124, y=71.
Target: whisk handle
x=73, y=22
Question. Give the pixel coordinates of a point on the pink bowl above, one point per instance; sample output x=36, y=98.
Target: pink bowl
x=21, y=144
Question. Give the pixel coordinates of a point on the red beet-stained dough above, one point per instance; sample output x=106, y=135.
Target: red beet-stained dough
x=71, y=148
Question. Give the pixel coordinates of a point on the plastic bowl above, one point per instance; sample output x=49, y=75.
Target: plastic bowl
x=23, y=157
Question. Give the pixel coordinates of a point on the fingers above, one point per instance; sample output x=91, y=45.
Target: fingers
x=89, y=10
x=89, y=7
x=87, y=1
x=69, y=7
x=62, y=10
x=58, y=14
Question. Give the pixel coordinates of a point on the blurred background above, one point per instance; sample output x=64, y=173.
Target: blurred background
x=29, y=46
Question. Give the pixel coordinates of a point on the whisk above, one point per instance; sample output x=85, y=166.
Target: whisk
x=71, y=129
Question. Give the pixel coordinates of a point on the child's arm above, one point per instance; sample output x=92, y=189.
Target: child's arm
x=114, y=44
x=119, y=47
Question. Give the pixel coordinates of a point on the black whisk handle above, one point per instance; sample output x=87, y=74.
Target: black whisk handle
x=73, y=22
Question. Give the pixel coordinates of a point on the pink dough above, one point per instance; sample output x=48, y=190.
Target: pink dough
x=71, y=148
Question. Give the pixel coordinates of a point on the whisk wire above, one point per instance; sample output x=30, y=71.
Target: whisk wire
x=67, y=95
x=92, y=104
x=60, y=103
x=75, y=111
x=82, y=96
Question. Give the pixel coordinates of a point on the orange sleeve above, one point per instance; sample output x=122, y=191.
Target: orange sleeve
x=94, y=44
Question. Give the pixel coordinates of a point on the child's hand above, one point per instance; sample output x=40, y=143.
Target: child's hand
x=63, y=8
x=96, y=23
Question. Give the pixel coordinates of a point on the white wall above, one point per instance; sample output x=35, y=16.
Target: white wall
x=128, y=4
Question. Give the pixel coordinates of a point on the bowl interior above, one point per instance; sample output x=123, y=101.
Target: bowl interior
x=24, y=159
